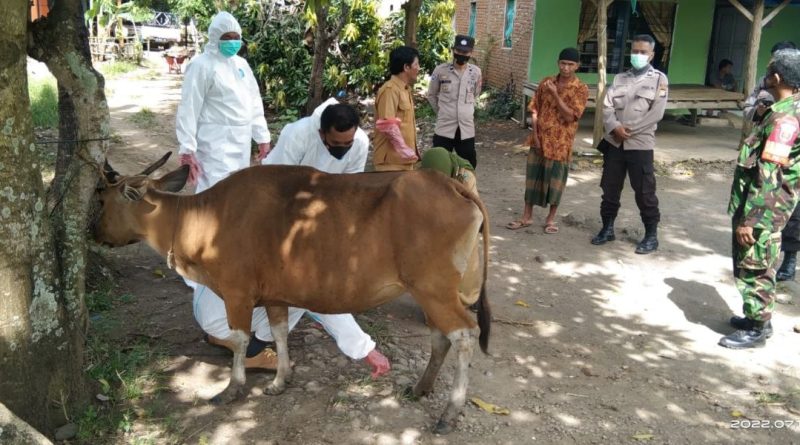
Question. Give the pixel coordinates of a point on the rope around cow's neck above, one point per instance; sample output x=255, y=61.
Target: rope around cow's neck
x=171, y=251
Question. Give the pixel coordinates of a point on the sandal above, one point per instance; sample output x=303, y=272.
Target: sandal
x=266, y=359
x=518, y=224
x=550, y=228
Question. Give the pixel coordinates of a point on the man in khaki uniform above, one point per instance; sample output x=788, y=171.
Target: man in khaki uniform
x=632, y=108
x=452, y=92
x=396, y=135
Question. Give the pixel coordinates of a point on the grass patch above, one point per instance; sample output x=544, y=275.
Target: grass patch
x=144, y=118
x=116, y=68
x=378, y=330
x=128, y=372
x=43, y=93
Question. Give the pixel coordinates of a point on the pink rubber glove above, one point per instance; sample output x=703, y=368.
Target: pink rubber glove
x=379, y=362
x=194, y=167
x=263, y=151
x=391, y=128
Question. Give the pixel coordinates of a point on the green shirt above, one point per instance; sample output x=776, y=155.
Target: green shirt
x=764, y=193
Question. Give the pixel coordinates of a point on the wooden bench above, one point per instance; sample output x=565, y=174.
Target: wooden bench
x=689, y=96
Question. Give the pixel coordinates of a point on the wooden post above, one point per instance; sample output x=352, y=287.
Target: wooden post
x=602, y=49
x=755, y=43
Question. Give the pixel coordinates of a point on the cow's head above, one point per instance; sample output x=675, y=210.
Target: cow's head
x=119, y=202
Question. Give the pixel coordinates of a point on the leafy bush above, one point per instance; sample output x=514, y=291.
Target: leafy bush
x=498, y=103
x=435, y=35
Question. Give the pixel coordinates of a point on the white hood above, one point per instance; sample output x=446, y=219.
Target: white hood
x=221, y=23
x=316, y=116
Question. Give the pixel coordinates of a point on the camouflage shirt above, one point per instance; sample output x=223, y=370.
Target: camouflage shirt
x=766, y=192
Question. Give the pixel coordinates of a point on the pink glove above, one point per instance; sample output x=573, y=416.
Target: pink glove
x=194, y=167
x=379, y=362
x=391, y=128
x=263, y=151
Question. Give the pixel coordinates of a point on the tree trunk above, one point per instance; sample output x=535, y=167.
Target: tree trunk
x=42, y=246
x=16, y=430
x=322, y=42
x=412, y=8
x=324, y=36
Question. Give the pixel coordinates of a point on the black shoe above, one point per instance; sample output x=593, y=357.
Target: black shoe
x=743, y=339
x=649, y=243
x=746, y=324
x=606, y=233
x=786, y=271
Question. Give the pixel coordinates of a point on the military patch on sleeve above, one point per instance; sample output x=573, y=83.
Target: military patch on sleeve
x=781, y=139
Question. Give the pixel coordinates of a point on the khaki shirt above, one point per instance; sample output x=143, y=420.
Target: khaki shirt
x=452, y=94
x=394, y=100
x=637, y=103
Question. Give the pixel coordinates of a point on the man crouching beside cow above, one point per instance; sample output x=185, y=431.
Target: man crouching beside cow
x=389, y=240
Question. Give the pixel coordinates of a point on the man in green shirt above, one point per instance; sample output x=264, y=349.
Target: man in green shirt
x=765, y=191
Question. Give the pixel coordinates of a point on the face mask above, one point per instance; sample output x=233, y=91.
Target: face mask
x=461, y=59
x=639, y=61
x=337, y=151
x=229, y=48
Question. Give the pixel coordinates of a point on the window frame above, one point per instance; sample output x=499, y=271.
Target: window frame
x=508, y=42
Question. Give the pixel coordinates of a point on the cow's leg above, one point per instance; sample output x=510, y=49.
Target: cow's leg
x=239, y=317
x=279, y=324
x=464, y=340
x=439, y=347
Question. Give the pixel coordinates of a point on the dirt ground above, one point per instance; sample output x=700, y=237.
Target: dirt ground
x=589, y=344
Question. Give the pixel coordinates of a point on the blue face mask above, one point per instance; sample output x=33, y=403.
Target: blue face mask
x=639, y=61
x=229, y=48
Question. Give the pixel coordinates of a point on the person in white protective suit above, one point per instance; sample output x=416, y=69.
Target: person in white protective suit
x=220, y=109
x=331, y=141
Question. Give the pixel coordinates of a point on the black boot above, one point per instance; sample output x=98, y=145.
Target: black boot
x=746, y=324
x=649, y=243
x=606, y=233
x=786, y=271
x=756, y=337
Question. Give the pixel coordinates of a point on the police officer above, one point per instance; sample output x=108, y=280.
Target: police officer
x=632, y=108
x=765, y=192
x=452, y=92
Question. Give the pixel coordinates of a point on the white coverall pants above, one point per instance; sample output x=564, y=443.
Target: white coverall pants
x=209, y=311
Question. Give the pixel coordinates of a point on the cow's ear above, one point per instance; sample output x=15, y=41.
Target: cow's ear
x=174, y=180
x=111, y=175
x=135, y=188
x=155, y=165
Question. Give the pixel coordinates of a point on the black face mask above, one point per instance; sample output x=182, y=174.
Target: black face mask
x=338, y=152
x=461, y=59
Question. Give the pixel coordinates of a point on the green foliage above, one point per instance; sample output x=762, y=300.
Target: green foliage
x=144, y=118
x=277, y=52
x=498, y=103
x=43, y=93
x=435, y=35
x=116, y=68
x=200, y=10
x=358, y=61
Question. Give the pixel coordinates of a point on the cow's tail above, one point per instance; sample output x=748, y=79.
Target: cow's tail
x=484, y=310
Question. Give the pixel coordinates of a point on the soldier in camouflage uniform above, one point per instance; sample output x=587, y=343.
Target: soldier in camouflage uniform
x=765, y=191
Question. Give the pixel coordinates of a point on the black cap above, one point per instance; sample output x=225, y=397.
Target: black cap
x=570, y=54
x=464, y=43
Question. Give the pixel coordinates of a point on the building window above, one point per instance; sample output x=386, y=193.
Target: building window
x=654, y=18
x=508, y=29
x=473, y=14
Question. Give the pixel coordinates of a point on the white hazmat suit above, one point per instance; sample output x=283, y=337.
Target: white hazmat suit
x=220, y=109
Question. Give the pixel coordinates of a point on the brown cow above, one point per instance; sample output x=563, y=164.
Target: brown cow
x=280, y=236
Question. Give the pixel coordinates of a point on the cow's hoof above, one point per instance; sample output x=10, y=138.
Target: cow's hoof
x=226, y=397
x=274, y=389
x=443, y=427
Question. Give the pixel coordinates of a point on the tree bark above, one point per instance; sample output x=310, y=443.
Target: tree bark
x=412, y=8
x=43, y=245
x=324, y=36
x=16, y=430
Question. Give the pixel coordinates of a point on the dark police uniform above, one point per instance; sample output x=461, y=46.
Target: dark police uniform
x=636, y=101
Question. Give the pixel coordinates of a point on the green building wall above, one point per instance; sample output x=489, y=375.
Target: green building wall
x=785, y=26
x=556, y=27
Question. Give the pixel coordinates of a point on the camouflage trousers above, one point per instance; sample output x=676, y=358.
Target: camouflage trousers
x=754, y=270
